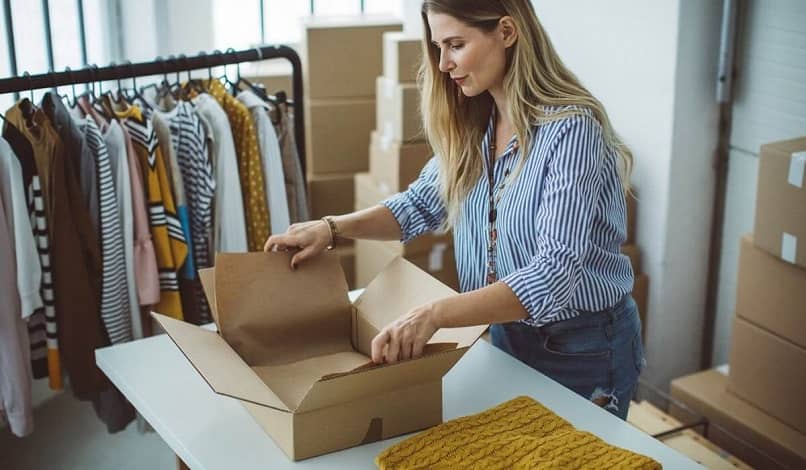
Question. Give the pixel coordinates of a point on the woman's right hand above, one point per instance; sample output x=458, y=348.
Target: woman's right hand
x=310, y=238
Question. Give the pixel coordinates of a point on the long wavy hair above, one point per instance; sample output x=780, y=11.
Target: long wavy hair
x=535, y=78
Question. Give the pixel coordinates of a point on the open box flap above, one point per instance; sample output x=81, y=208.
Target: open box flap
x=272, y=315
x=400, y=288
x=369, y=381
x=225, y=372
x=207, y=277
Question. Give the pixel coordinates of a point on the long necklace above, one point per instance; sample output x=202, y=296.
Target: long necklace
x=494, y=197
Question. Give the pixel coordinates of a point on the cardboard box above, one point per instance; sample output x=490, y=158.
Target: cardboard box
x=343, y=55
x=780, y=226
x=330, y=194
x=632, y=211
x=368, y=193
x=300, y=363
x=735, y=425
x=274, y=82
x=372, y=256
x=346, y=255
x=771, y=293
x=398, y=114
x=634, y=253
x=394, y=164
x=769, y=372
x=336, y=135
x=652, y=421
x=640, y=293
x=402, y=53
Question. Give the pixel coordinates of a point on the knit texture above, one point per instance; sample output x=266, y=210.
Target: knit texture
x=518, y=434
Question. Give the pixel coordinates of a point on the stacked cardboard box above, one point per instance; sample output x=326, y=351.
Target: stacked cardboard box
x=342, y=56
x=640, y=290
x=736, y=425
x=769, y=333
x=654, y=421
x=397, y=154
x=768, y=345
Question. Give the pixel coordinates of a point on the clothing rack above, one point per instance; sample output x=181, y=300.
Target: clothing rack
x=160, y=66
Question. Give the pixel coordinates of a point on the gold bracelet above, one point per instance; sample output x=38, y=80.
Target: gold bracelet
x=334, y=233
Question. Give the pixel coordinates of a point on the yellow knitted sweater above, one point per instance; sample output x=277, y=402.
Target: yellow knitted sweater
x=518, y=434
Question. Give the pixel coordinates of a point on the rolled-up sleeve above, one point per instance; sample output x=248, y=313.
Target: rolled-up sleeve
x=568, y=200
x=419, y=209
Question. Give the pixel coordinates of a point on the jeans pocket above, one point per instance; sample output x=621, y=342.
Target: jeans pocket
x=580, y=343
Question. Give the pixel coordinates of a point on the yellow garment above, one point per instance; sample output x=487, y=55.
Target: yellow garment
x=170, y=246
x=250, y=168
x=519, y=434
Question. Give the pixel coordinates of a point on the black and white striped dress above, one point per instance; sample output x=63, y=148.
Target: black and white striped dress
x=115, y=307
x=189, y=140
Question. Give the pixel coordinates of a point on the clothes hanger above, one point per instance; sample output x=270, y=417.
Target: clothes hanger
x=135, y=93
x=233, y=85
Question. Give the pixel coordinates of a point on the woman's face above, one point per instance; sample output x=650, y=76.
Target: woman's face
x=474, y=59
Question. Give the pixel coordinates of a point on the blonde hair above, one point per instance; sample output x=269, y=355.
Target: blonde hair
x=454, y=124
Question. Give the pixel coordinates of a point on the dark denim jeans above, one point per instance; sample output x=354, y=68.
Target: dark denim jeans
x=598, y=355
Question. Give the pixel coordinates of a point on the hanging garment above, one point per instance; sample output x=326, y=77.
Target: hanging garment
x=144, y=260
x=42, y=326
x=250, y=169
x=15, y=380
x=166, y=230
x=29, y=269
x=116, y=147
x=75, y=252
x=163, y=130
x=271, y=159
x=292, y=168
x=190, y=144
x=229, y=220
x=518, y=434
x=114, y=293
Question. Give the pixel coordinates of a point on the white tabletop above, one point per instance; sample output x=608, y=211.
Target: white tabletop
x=209, y=431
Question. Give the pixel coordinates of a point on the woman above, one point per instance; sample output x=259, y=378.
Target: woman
x=531, y=178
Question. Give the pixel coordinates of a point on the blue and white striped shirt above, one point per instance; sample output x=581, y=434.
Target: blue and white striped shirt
x=560, y=223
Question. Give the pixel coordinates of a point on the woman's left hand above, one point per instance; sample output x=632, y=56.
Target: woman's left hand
x=406, y=337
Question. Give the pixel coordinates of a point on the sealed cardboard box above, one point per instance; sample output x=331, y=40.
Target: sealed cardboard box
x=368, y=193
x=372, y=256
x=330, y=194
x=768, y=371
x=273, y=81
x=395, y=164
x=336, y=135
x=295, y=352
x=735, y=425
x=401, y=56
x=652, y=420
x=780, y=226
x=634, y=253
x=631, y=215
x=343, y=55
x=771, y=293
x=398, y=115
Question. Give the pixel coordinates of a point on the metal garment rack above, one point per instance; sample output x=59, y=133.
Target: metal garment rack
x=173, y=65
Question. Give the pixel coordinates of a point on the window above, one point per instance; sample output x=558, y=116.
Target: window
x=30, y=40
